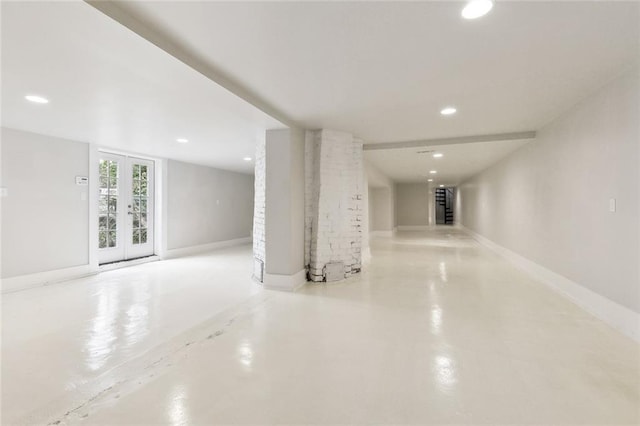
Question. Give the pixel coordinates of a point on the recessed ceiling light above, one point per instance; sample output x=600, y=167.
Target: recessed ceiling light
x=247, y=158
x=433, y=172
x=448, y=111
x=429, y=180
x=441, y=186
x=437, y=155
x=182, y=140
x=37, y=99
x=476, y=8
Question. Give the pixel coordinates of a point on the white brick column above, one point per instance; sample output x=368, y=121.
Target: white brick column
x=333, y=203
x=259, y=210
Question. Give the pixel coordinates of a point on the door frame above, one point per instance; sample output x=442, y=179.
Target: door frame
x=160, y=202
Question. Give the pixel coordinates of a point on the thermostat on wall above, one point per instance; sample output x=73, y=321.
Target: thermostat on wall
x=82, y=180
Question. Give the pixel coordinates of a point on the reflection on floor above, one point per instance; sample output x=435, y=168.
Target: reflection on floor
x=64, y=343
x=436, y=330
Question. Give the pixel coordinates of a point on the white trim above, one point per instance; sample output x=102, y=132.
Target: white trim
x=381, y=233
x=285, y=282
x=23, y=282
x=617, y=316
x=186, y=251
x=135, y=251
x=159, y=188
x=372, y=146
x=107, y=150
x=94, y=180
x=161, y=207
x=414, y=227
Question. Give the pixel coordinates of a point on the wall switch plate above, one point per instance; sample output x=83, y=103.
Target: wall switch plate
x=4, y=192
x=612, y=205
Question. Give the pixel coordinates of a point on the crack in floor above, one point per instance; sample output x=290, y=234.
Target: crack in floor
x=174, y=354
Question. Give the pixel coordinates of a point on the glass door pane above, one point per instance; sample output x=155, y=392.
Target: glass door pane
x=140, y=203
x=108, y=204
x=125, y=208
x=140, y=239
x=110, y=197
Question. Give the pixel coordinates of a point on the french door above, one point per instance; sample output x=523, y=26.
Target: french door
x=125, y=208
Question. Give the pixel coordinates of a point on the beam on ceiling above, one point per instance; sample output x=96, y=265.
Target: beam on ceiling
x=185, y=55
x=451, y=141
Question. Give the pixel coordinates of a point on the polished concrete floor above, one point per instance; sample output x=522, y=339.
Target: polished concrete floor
x=437, y=329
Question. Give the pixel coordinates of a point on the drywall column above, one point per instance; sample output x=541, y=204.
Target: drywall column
x=431, y=204
x=260, y=170
x=334, y=211
x=282, y=226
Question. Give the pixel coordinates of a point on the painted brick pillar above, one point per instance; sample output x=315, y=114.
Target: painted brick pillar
x=259, y=210
x=334, y=188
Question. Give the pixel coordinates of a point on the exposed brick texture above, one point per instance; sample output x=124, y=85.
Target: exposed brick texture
x=334, y=187
x=259, y=204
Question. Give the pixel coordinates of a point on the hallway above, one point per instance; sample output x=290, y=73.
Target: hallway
x=438, y=329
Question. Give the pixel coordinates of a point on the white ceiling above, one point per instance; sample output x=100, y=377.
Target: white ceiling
x=380, y=70
x=109, y=86
x=383, y=70
x=459, y=162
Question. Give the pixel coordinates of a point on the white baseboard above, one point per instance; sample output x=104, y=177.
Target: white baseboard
x=617, y=316
x=414, y=227
x=285, y=282
x=381, y=233
x=23, y=282
x=186, y=251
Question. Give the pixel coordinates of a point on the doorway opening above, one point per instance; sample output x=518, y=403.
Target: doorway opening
x=444, y=206
x=126, y=204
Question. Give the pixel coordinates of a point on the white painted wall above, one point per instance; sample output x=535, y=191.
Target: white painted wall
x=207, y=205
x=45, y=217
x=381, y=199
x=376, y=177
x=394, y=197
x=549, y=201
x=412, y=204
x=382, y=206
x=371, y=211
